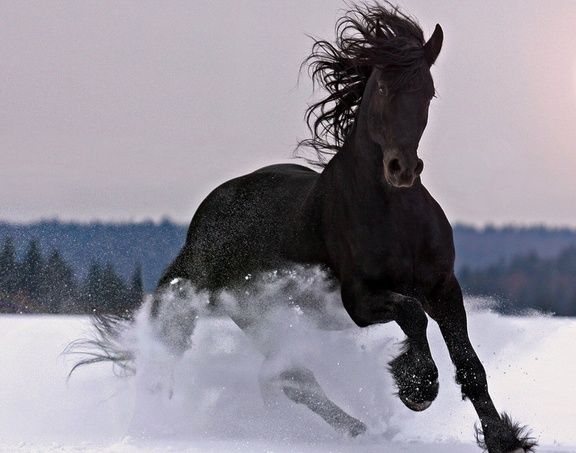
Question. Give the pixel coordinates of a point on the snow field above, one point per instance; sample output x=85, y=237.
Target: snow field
x=217, y=406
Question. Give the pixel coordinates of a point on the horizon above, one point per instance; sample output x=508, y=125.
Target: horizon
x=170, y=221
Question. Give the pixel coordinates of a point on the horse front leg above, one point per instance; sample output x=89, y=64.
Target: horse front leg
x=414, y=371
x=498, y=433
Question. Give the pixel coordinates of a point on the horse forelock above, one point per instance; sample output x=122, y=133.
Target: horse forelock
x=367, y=36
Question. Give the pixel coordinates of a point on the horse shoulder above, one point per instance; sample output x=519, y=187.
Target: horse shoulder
x=437, y=253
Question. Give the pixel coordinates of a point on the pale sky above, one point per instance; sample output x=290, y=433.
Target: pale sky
x=131, y=110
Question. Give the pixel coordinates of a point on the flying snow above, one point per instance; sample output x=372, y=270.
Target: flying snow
x=209, y=398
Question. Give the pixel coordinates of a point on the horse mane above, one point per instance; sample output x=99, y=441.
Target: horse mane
x=366, y=36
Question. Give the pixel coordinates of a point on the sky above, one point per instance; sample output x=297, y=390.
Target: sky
x=133, y=110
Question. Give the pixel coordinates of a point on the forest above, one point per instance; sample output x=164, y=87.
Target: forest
x=39, y=283
x=527, y=282
x=54, y=267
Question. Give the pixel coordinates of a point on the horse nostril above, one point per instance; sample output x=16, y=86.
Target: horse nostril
x=394, y=166
x=419, y=167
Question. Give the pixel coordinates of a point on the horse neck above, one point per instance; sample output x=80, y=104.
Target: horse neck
x=364, y=158
x=356, y=172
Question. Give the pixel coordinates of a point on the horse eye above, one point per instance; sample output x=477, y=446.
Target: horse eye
x=382, y=89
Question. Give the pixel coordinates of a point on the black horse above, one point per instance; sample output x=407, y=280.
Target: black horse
x=366, y=217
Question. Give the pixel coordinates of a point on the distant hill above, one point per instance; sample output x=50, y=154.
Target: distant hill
x=481, y=247
x=154, y=245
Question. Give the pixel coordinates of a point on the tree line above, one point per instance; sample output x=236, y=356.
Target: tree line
x=528, y=282
x=39, y=283
x=156, y=244
x=36, y=283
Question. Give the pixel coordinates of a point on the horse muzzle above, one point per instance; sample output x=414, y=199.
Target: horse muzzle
x=401, y=170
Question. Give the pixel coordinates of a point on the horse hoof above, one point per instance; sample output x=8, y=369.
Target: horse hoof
x=416, y=407
x=419, y=401
x=518, y=450
x=357, y=429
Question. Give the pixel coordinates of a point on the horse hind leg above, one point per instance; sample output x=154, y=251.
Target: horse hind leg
x=176, y=306
x=174, y=311
x=300, y=386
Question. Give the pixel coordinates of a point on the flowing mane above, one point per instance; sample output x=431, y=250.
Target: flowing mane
x=366, y=36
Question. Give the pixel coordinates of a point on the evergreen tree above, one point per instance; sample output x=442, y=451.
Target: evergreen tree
x=115, y=292
x=105, y=291
x=30, y=271
x=8, y=267
x=93, y=289
x=58, y=285
x=136, y=287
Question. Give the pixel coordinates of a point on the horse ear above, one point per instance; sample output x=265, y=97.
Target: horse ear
x=433, y=46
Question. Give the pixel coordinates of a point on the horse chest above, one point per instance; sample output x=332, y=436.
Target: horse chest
x=406, y=262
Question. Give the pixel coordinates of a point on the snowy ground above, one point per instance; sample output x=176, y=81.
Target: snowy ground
x=217, y=407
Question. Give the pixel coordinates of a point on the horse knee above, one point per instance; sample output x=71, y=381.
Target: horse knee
x=297, y=383
x=299, y=375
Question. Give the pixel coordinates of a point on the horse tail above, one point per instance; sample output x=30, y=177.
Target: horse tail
x=110, y=337
x=105, y=344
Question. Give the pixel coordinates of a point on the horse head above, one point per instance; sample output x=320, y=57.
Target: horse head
x=398, y=94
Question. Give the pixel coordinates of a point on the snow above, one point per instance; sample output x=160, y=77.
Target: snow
x=217, y=406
